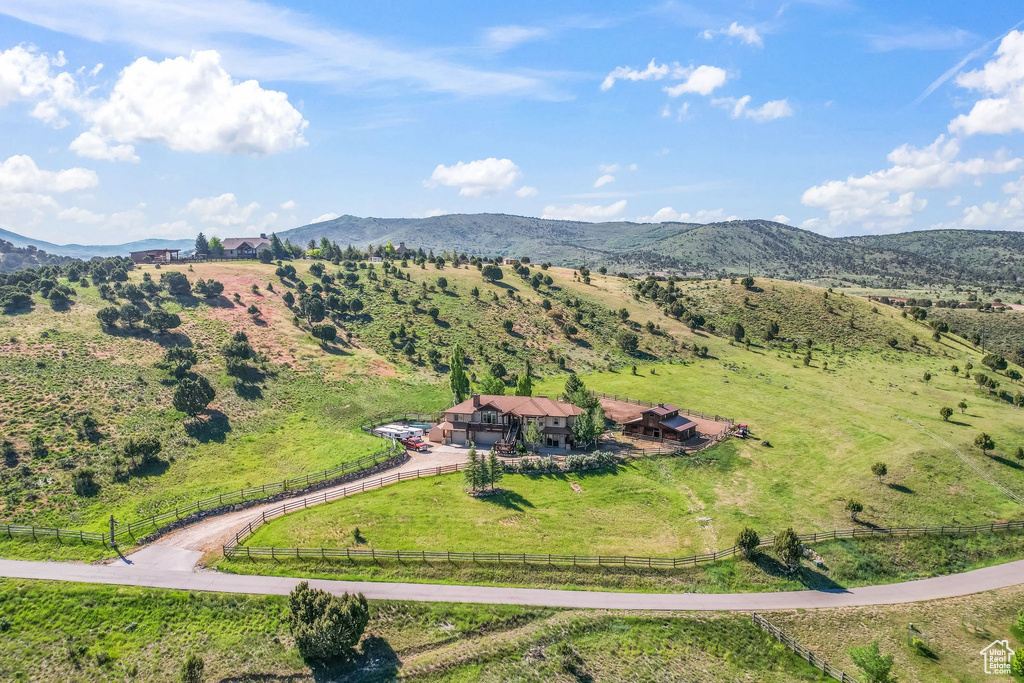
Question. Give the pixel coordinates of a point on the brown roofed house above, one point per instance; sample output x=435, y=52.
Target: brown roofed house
x=500, y=421
x=154, y=256
x=662, y=421
x=245, y=247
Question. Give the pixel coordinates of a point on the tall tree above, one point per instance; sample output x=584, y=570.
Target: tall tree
x=524, y=387
x=495, y=470
x=202, y=244
x=472, y=472
x=457, y=379
x=216, y=247
x=326, y=626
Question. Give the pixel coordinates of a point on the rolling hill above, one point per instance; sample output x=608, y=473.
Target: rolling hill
x=87, y=251
x=763, y=248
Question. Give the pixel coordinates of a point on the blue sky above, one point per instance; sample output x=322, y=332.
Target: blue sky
x=234, y=117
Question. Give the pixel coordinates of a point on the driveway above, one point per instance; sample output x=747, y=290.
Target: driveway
x=184, y=547
x=979, y=580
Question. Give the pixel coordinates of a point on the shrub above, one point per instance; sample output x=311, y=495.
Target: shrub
x=788, y=548
x=193, y=395
x=326, y=626
x=748, y=542
x=627, y=341
x=192, y=667
x=325, y=332
x=108, y=316
x=176, y=283
x=877, y=667
x=161, y=321
x=83, y=481
x=143, y=448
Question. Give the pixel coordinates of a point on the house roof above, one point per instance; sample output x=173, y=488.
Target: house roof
x=663, y=409
x=677, y=423
x=153, y=252
x=236, y=242
x=523, y=406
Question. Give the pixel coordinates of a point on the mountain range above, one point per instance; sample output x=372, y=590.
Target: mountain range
x=758, y=247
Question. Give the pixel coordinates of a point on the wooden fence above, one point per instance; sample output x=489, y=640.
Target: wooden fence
x=649, y=404
x=236, y=549
x=256, y=492
x=801, y=651
x=37, y=532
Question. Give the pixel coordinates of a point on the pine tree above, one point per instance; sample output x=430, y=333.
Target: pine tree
x=524, y=387
x=495, y=470
x=472, y=471
x=457, y=379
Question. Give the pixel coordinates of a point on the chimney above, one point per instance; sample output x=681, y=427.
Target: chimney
x=661, y=405
x=476, y=400
x=401, y=245
x=263, y=235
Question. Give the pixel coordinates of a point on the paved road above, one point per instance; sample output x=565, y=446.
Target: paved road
x=989, y=578
x=176, y=549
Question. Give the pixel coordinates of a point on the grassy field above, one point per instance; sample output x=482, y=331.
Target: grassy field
x=92, y=633
x=300, y=416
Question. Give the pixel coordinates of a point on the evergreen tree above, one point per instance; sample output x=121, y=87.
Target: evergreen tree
x=202, y=245
x=495, y=470
x=524, y=387
x=472, y=472
x=457, y=379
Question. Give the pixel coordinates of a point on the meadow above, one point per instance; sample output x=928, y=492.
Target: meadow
x=92, y=633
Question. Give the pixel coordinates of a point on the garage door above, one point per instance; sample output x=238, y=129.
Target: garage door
x=486, y=439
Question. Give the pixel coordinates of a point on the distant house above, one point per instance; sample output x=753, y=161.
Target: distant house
x=376, y=259
x=401, y=250
x=155, y=256
x=506, y=261
x=245, y=247
x=662, y=421
x=500, y=421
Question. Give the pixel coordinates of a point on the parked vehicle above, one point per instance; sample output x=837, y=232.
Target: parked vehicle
x=413, y=444
x=742, y=431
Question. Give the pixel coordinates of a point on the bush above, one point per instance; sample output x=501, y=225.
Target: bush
x=325, y=332
x=326, y=626
x=108, y=316
x=193, y=395
x=161, y=321
x=748, y=542
x=83, y=481
x=144, y=448
x=627, y=341
x=176, y=283
x=192, y=667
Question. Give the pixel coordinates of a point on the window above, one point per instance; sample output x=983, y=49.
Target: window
x=489, y=418
x=554, y=421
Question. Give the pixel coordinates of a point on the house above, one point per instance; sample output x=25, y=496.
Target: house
x=376, y=259
x=501, y=421
x=506, y=261
x=662, y=421
x=245, y=247
x=401, y=250
x=155, y=256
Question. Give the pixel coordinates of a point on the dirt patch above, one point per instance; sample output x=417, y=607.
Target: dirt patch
x=576, y=487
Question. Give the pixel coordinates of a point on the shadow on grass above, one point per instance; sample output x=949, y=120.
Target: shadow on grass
x=214, y=427
x=249, y=392
x=901, y=488
x=1009, y=463
x=375, y=660
x=509, y=500
x=149, y=469
x=810, y=578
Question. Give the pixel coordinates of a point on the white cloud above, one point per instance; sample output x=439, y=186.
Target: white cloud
x=501, y=38
x=223, y=210
x=653, y=71
x=769, y=111
x=955, y=201
x=288, y=205
x=608, y=168
x=329, y=216
x=26, y=75
x=267, y=41
x=92, y=146
x=19, y=174
x=526, y=191
x=931, y=39
x=866, y=198
x=667, y=214
x=584, y=212
x=746, y=34
x=1006, y=214
x=192, y=104
x=1002, y=79
x=781, y=218
x=701, y=80
x=79, y=215
x=476, y=178
x=631, y=167
x=604, y=180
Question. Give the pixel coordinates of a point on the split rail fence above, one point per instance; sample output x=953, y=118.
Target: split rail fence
x=236, y=548
x=801, y=651
x=650, y=404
